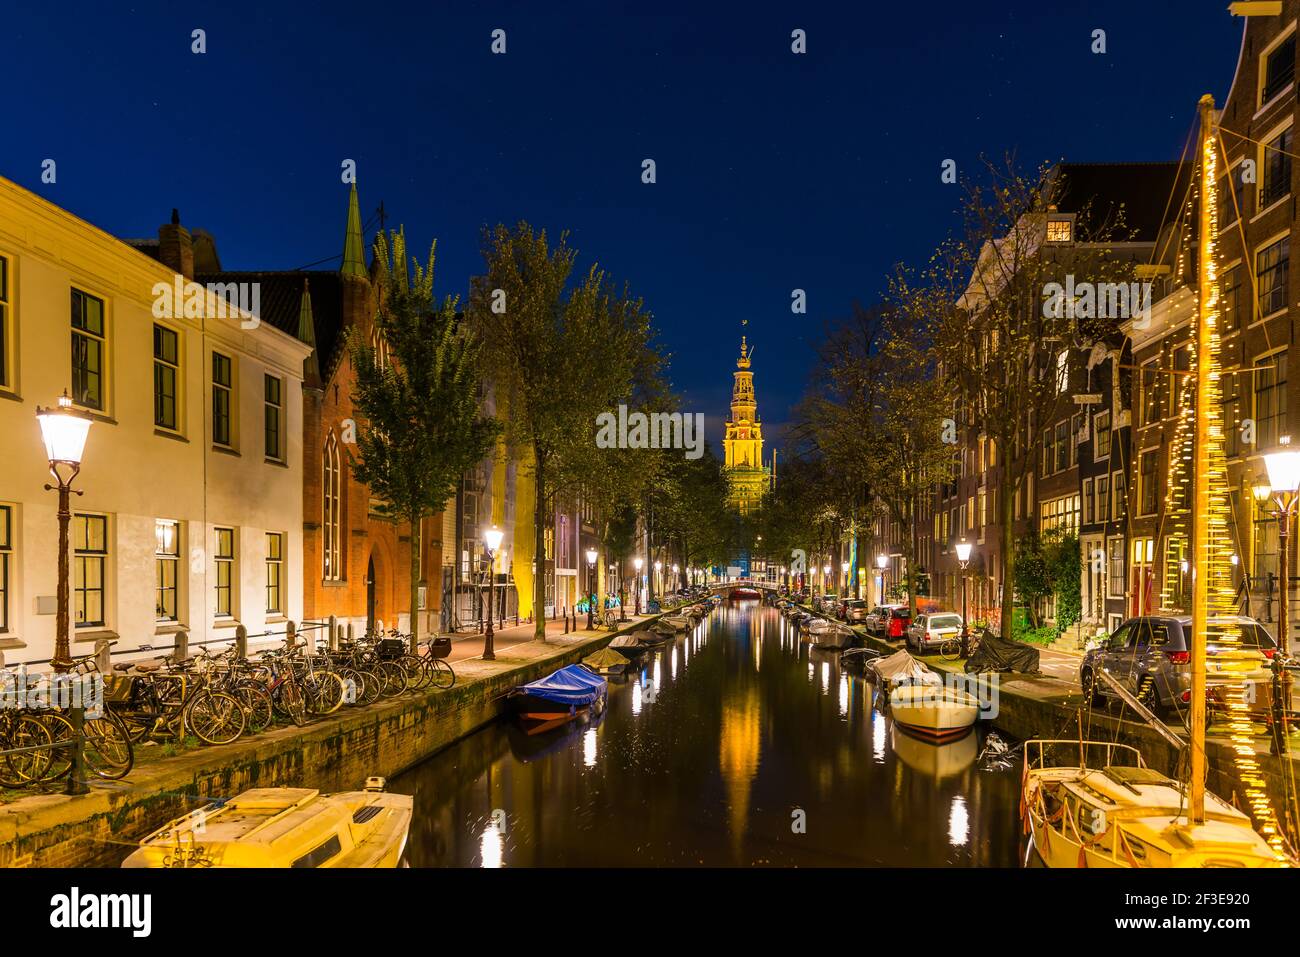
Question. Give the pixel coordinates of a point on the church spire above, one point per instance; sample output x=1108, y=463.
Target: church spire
x=354, y=257
x=743, y=361
x=307, y=334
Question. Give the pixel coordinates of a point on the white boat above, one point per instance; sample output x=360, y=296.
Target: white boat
x=936, y=711
x=835, y=636
x=285, y=827
x=1124, y=814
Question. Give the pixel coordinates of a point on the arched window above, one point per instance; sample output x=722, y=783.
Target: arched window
x=331, y=502
x=380, y=346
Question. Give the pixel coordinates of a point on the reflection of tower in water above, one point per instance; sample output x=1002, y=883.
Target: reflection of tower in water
x=738, y=758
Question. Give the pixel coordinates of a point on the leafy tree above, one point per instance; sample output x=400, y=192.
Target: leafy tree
x=559, y=352
x=422, y=424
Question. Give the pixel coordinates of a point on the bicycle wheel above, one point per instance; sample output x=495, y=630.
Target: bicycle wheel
x=393, y=678
x=20, y=770
x=416, y=678
x=257, y=702
x=289, y=702
x=441, y=675
x=215, y=717
x=61, y=734
x=950, y=649
x=107, y=750
x=324, y=693
x=369, y=687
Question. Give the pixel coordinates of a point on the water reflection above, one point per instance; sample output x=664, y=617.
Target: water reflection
x=702, y=757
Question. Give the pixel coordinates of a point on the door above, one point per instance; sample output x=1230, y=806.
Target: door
x=370, y=595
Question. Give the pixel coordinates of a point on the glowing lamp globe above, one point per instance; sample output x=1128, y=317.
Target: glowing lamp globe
x=882, y=561
x=1283, y=468
x=963, y=551
x=492, y=537
x=591, y=556
x=637, y=563
x=64, y=430
x=844, y=567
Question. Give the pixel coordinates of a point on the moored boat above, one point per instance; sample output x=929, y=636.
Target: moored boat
x=935, y=711
x=557, y=699
x=285, y=827
x=607, y=661
x=835, y=637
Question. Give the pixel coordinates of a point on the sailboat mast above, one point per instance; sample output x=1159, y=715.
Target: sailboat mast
x=1201, y=537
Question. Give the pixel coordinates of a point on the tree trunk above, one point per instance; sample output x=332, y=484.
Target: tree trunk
x=912, y=547
x=415, y=584
x=1006, y=509
x=539, y=551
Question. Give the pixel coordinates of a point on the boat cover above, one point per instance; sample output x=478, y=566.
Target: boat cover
x=605, y=658
x=998, y=654
x=574, y=685
x=901, y=668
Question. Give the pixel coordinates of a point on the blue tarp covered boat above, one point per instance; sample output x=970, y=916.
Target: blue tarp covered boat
x=558, y=698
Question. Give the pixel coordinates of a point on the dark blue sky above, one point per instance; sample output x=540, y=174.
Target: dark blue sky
x=775, y=171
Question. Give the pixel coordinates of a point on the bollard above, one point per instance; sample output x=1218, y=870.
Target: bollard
x=350, y=637
x=566, y=621
x=182, y=649
x=335, y=635
x=77, y=775
x=241, y=642
x=103, y=656
x=290, y=636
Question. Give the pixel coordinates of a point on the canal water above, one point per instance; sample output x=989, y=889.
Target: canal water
x=736, y=744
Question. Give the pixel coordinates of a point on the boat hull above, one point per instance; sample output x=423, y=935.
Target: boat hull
x=935, y=712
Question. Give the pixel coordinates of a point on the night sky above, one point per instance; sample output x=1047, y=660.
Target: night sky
x=775, y=171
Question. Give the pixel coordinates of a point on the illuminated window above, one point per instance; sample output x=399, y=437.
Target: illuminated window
x=331, y=508
x=224, y=555
x=6, y=558
x=167, y=551
x=275, y=573
x=1059, y=230
x=90, y=568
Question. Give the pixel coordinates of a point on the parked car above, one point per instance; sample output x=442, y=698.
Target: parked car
x=888, y=621
x=928, y=632
x=854, y=610
x=826, y=603
x=1151, y=659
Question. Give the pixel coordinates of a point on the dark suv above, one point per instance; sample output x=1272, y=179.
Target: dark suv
x=1151, y=659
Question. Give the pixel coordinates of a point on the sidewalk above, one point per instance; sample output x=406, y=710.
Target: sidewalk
x=468, y=646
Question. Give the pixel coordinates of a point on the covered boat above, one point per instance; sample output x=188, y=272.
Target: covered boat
x=630, y=646
x=607, y=661
x=934, y=711
x=558, y=698
x=285, y=827
x=901, y=668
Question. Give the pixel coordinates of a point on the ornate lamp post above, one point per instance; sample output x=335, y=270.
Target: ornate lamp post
x=637, y=563
x=656, y=583
x=882, y=561
x=1284, y=479
x=591, y=595
x=491, y=542
x=844, y=574
x=963, y=559
x=64, y=430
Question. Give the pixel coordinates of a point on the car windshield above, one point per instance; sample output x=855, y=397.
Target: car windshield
x=945, y=621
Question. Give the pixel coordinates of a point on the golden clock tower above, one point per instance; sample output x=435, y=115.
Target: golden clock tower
x=747, y=477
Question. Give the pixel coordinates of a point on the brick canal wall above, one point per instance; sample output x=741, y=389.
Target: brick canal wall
x=333, y=754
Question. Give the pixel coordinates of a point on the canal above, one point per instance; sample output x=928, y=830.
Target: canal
x=736, y=744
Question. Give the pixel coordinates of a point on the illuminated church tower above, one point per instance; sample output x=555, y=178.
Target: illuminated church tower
x=747, y=477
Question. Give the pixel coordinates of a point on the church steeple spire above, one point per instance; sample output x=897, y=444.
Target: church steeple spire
x=747, y=477
x=307, y=334
x=354, y=257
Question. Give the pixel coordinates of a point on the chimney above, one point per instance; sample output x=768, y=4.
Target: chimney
x=175, y=247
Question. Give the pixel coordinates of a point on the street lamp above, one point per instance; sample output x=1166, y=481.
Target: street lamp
x=637, y=563
x=64, y=430
x=591, y=595
x=963, y=559
x=1284, y=478
x=491, y=542
x=657, y=581
x=844, y=571
x=881, y=561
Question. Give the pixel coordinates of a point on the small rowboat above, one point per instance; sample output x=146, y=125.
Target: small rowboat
x=935, y=711
x=285, y=827
x=557, y=699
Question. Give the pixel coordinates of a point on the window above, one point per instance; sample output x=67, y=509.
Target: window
x=1275, y=181
x=1180, y=382
x=380, y=346
x=1087, y=502
x=1118, y=496
x=1229, y=388
x=331, y=511
x=1233, y=189
x=166, y=372
x=1115, y=567
x=1103, y=498
x=1076, y=430
x=1230, y=300
x=88, y=340
x=1151, y=392
x=224, y=554
x=1062, y=445
x=1271, y=268
x=167, y=551
x=1279, y=69
x=1147, y=464
x=1101, y=436
x=275, y=573
x=90, y=557
x=222, y=387
x=1059, y=230
x=1270, y=400
x=1060, y=513
x=6, y=559
x=4, y=325
x=274, y=417
x=1264, y=550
